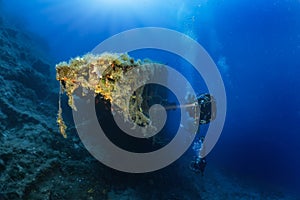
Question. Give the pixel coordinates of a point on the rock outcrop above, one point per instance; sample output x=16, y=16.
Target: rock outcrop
x=27, y=115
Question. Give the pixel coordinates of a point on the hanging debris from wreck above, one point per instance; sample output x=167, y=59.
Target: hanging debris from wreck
x=108, y=75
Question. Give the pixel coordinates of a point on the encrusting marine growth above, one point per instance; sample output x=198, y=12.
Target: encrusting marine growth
x=108, y=75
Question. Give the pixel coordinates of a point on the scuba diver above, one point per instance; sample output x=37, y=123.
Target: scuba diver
x=199, y=163
x=200, y=109
x=206, y=105
x=203, y=109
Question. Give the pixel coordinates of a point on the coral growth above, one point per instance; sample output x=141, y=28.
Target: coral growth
x=112, y=77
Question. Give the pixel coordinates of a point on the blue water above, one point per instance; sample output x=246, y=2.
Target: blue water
x=256, y=45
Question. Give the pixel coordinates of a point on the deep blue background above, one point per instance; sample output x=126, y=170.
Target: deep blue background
x=260, y=41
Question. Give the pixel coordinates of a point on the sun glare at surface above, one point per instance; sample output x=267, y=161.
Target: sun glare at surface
x=120, y=4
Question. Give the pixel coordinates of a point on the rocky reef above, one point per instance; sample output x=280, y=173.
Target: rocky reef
x=27, y=106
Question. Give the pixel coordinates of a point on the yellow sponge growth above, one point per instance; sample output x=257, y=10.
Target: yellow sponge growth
x=109, y=75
